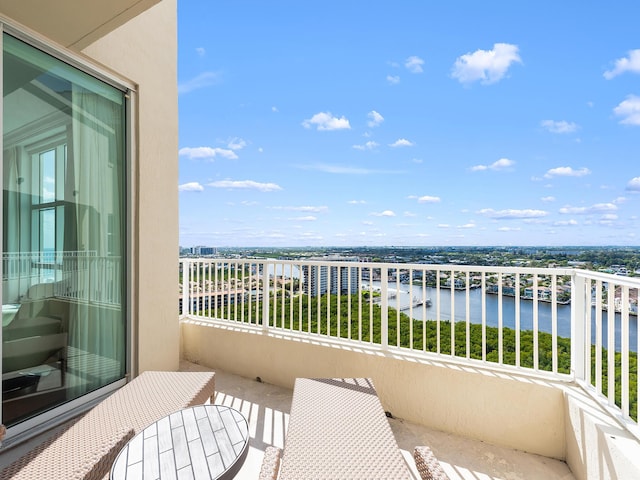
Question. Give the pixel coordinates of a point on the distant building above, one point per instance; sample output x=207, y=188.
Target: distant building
x=322, y=279
x=199, y=251
x=202, y=251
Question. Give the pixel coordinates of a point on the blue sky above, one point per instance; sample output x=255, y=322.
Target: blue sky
x=370, y=123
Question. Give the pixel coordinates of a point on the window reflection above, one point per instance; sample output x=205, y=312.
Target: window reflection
x=63, y=233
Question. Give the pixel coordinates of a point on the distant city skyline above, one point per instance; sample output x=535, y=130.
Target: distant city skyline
x=408, y=124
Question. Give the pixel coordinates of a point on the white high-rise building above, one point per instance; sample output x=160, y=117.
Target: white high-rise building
x=320, y=279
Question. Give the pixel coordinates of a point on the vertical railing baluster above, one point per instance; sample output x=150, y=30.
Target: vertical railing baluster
x=384, y=305
x=536, y=333
x=249, y=287
x=329, y=290
x=452, y=329
x=371, y=336
x=611, y=343
x=410, y=276
x=424, y=309
x=438, y=311
x=624, y=350
x=500, y=317
x=264, y=292
x=554, y=323
x=598, y=350
x=517, y=319
x=397, y=304
x=580, y=328
x=349, y=273
x=360, y=305
x=484, y=316
x=468, y=315
x=185, y=287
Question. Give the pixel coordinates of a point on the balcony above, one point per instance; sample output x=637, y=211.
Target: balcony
x=266, y=407
x=541, y=361
x=534, y=378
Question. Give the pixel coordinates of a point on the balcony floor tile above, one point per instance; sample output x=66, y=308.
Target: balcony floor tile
x=267, y=409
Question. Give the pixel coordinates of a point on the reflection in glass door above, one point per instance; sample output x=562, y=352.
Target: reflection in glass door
x=63, y=233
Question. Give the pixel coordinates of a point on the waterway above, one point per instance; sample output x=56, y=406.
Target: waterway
x=407, y=294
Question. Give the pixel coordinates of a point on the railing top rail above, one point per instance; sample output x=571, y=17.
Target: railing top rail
x=392, y=265
x=633, y=282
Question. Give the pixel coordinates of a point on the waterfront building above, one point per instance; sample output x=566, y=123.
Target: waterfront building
x=322, y=279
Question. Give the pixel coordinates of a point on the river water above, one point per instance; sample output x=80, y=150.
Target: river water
x=407, y=292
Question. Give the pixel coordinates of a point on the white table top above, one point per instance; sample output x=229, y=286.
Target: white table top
x=201, y=442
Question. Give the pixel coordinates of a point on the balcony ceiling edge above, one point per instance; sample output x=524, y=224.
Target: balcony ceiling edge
x=70, y=23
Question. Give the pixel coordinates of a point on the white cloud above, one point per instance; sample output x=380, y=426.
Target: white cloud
x=356, y=202
x=414, y=64
x=207, y=152
x=201, y=51
x=548, y=199
x=326, y=121
x=236, y=143
x=340, y=169
x=488, y=66
x=190, y=187
x=246, y=184
x=428, y=199
x=386, y=213
x=561, y=126
x=443, y=225
x=566, y=172
x=308, y=218
x=513, y=213
x=596, y=208
x=401, y=142
x=634, y=185
x=565, y=223
x=370, y=145
x=393, y=79
x=304, y=208
x=468, y=225
x=625, y=64
x=500, y=164
x=203, y=80
x=410, y=214
x=375, y=119
x=509, y=229
x=629, y=110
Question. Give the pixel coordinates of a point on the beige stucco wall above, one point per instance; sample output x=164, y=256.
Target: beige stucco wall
x=598, y=447
x=145, y=51
x=502, y=409
x=554, y=419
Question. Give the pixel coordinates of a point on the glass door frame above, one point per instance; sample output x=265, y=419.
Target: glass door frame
x=59, y=414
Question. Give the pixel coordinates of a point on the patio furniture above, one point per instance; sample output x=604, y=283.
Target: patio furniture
x=427, y=464
x=270, y=463
x=96, y=438
x=338, y=429
x=205, y=441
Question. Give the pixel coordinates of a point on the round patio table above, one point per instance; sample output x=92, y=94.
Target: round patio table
x=201, y=442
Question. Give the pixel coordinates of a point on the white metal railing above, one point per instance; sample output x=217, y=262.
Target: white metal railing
x=563, y=322
x=80, y=276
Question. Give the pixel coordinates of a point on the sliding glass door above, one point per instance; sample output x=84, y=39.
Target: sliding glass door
x=63, y=232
